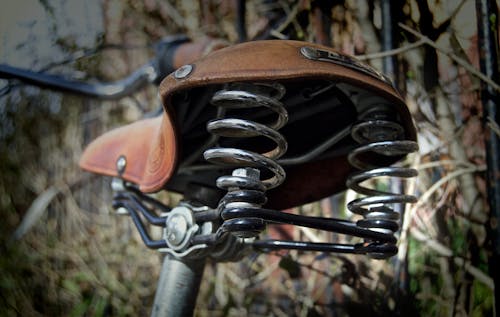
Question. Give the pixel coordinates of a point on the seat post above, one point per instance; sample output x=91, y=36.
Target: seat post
x=178, y=287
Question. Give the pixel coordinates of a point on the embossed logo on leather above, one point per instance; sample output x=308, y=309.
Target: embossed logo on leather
x=317, y=54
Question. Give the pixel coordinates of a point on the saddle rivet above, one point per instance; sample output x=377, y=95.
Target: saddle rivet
x=121, y=163
x=309, y=52
x=183, y=71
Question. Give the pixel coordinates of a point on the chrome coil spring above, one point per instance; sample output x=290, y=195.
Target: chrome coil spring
x=245, y=188
x=383, y=138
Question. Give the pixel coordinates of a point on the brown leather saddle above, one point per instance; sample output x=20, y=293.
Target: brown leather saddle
x=325, y=93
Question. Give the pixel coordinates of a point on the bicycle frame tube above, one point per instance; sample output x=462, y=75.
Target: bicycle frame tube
x=178, y=287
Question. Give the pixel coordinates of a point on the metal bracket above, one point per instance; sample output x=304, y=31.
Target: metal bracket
x=317, y=54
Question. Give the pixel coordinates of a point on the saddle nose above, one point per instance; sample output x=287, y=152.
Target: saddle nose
x=144, y=153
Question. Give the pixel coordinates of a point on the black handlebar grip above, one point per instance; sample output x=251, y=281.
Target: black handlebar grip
x=165, y=51
x=175, y=51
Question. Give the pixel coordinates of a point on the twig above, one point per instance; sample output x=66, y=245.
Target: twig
x=458, y=152
x=392, y=52
x=35, y=212
x=264, y=274
x=278, y=35
x=295, y=11
x=443, y=250
x=425, y=196
x=493, y=126
x=444, y=162
x=448, y=286
x=372, y=42
x=428, y=295
x=453, y=56
x=289, y=19
x=310, y=234
x=474, y=271
x=174, y=14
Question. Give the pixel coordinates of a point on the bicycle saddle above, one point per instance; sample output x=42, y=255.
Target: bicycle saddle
x=311, y=94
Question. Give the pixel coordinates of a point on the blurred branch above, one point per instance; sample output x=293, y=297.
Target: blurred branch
x=35, y=212
x=393, y=52
x=174, y=14
x=445, y=162
x=40, y=204
x=373, y=45
x=493, y=126
x=310, y=234
x=465, y=64
x=425, y=196
x=278, y=35
x=443, y=250
x=291, y=18
x=473, y=207
x=435, y=245
x=448, y=289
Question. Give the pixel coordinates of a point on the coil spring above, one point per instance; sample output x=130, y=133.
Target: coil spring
x=244, y=186
x=382, y=137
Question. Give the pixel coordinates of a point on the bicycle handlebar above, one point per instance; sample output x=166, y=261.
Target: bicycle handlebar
x=109, y=91
x=171, y=53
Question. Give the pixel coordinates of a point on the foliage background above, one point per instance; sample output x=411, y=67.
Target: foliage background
x=65, y=253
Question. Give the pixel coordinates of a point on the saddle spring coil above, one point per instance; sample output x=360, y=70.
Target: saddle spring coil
x=245, y=189
x=381, y=137
x=381, y=142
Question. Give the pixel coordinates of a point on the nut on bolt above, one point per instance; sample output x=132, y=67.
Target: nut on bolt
x=180, y=228
x=176, y=229
x=249, y=172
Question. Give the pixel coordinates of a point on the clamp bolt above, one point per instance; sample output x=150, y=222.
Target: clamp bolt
x=176, y=230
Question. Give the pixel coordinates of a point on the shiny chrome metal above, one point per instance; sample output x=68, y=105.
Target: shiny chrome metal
x=240, y=99
x=378, y=138
x=238, y=157
x=245, y=188
x=240, y=180
x=244, y=96
x=302, y=158
x=245, y=128
x=121, y=164
x=180, y=227
x=386, y=148
x=183, y=71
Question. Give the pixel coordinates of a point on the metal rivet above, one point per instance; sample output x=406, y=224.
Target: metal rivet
x=309, y=52
x=122, y=211
x=121, y=163
x=183, y=71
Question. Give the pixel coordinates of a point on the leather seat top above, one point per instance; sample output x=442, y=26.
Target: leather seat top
x=150, y=147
